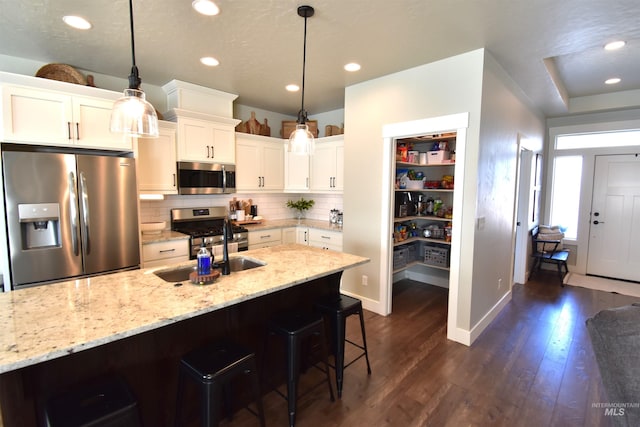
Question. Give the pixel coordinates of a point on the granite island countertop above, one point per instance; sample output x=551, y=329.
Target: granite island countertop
x=50, y=321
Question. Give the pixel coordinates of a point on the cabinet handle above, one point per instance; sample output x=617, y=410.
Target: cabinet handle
x=174, y=179
x=266, y=236
x=213, y=151
x=168, y=250
x=78, y=131
x=262, y=181
x=305, y=237
x=208, y=152
x=307, y=185
x=69, y=129
x=326, y=237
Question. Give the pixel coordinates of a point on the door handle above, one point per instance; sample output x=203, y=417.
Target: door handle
x=84, y=201
x=73, y=212
x=596, y=222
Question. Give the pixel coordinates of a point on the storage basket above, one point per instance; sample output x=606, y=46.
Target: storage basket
x=400, y=257
x=436, y=256
x=435, y=157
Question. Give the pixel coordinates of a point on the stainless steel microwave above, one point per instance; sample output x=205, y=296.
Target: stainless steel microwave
x=206, y=178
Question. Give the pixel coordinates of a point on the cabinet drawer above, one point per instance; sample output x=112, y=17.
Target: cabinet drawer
x=164, y=250
x=265, y=236
x=325, y=239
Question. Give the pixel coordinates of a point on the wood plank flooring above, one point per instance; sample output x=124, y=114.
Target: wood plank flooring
x=533, y=366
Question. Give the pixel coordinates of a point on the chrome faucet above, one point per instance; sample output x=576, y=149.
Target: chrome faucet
x=227, y=233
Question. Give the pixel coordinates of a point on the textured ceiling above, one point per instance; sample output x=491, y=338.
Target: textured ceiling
x=259, y=43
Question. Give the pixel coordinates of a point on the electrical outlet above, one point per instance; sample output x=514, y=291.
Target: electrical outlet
x=365, y=280
x=499, y=283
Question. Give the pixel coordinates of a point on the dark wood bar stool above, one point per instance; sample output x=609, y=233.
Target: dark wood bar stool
x=337, y=309
x=296, y=327
x=212, y=368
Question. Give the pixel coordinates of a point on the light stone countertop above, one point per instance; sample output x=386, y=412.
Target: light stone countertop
x=283, y=223
x=50, y=321
x=163, y=236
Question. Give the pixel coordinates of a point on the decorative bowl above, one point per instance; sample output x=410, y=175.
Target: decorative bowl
x=153, y=227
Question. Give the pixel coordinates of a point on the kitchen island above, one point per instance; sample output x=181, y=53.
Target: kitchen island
x=137, y=326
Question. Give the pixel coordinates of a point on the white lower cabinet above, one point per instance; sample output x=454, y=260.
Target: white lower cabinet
x=325, y=239
x=289, y=235
x=165, y=252
x=265, y=238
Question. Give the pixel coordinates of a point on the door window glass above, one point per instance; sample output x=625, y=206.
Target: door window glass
x=565, y=196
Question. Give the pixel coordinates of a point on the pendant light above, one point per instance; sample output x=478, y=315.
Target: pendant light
x=301, y=141
x=132, y=114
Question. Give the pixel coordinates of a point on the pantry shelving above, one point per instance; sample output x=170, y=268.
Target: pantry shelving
x=414, y=202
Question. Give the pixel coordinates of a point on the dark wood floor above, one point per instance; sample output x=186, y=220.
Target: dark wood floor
x=533, y=366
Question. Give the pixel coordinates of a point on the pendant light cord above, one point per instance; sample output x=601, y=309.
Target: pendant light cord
x=304, y=64
x=134, y=78
x=133, y=45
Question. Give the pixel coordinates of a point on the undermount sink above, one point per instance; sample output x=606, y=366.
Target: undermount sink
x=182, y=273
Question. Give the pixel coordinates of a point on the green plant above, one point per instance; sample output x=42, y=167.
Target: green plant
x=300, y=205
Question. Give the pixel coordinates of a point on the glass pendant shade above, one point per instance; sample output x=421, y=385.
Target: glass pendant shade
x=301, y=141
x=133, y=115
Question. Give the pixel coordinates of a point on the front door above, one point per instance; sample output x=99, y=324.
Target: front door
x=614, y=237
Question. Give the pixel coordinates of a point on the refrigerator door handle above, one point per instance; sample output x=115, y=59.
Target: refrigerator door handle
x=73, y=213
x=84, y=199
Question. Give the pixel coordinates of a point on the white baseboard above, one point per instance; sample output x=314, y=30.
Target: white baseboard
x=466, y=337
x=367, y=303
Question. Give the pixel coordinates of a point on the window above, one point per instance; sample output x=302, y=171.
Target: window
x=597, y=140
x=565, y=194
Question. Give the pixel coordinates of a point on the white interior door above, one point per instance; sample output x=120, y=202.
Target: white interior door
x=524, y=190
x=614, y=236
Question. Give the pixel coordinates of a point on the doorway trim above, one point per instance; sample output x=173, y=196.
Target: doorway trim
x=390, y=132
x=523, y=220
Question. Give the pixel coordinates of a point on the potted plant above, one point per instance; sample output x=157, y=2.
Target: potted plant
x=301, y=206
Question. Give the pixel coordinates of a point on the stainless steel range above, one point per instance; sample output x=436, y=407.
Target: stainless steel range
x=205, y=226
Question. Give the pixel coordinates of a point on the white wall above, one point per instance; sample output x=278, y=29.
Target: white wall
x=464, y=83
x=505, y=114
x=450, y=86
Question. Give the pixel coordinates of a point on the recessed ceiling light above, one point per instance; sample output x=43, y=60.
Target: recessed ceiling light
x=209, y=61
x=615, y=45
x=292, y=88
x=352, y=66
x=612, y=81
x=76, y=22
x=205, y=7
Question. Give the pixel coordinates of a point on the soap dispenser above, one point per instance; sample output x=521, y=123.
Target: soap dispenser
x=204, y=262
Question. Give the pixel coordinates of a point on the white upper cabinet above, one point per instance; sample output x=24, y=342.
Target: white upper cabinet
x=157, y=161
x=203, y=137
x=327, y=165
x=259, y=163
x=296, y=172
x=40, y=116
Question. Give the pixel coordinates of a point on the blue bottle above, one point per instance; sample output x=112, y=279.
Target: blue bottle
x=204, y=262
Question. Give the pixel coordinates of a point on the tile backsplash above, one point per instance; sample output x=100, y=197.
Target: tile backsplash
x=270, y=206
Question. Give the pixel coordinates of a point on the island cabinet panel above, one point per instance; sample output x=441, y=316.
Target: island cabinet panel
x=148, y=362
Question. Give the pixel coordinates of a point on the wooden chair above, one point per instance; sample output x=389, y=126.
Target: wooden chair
x=548, y=251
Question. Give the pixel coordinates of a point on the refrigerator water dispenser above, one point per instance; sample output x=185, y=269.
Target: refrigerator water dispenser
x=39, y=225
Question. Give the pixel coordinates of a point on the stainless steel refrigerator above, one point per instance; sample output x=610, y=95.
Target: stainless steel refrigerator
x=69, y=215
